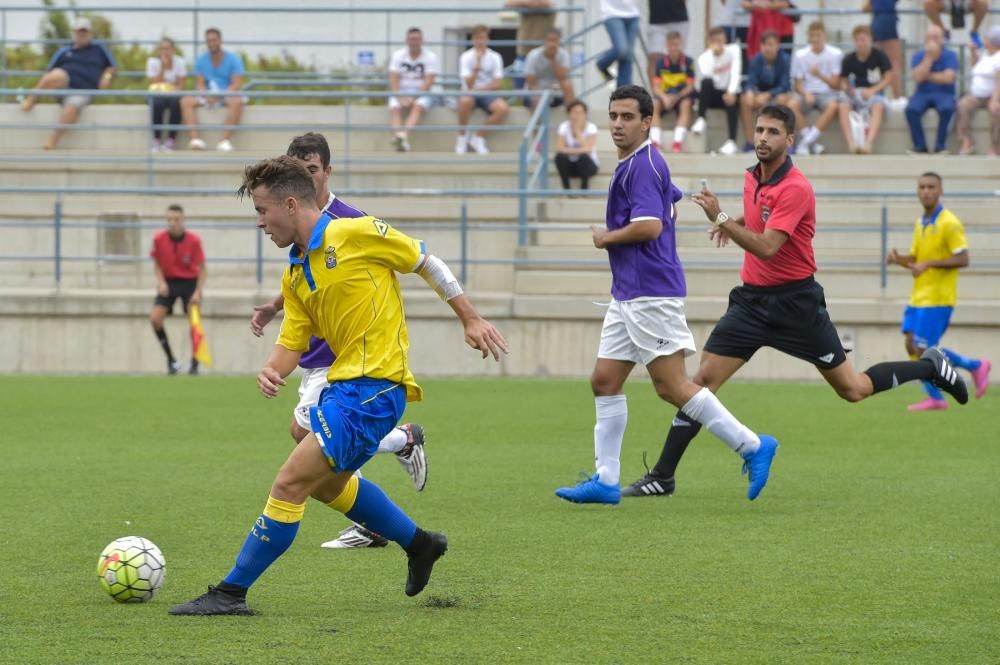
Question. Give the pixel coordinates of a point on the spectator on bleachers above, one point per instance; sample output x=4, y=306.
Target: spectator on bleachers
x=166, y=72
x=85, y=65
x=984, y=92
x=886, y=38
x=412, y=71
x=217, y=70
x=665, y=16
x=958, y=10
x=816, y=76
x=547, y=68
x=767, y=15
x=535, y=18
x=864, y=75
x=717, y=73
x=621, y=20
x=576, y=155
x=934, y=69
x=673, y=91
x=481, y=69
x=769, y=81
x=735, y=21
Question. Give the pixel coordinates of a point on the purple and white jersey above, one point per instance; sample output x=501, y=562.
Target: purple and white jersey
x=641, y=189
x=319, y=354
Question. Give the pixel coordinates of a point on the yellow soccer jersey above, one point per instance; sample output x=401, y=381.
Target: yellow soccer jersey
x=345, y=290
x=940, y=239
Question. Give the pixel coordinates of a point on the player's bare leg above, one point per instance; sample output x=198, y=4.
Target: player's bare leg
x=933, y=366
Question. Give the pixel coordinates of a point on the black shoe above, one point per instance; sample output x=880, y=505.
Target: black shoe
x=947, y=378
x=193, y=370
x=605, y=74
x=421, y=564
x=214, y=601
x=650, y=485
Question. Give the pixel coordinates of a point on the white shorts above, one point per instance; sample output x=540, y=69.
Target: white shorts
x=313, y=383
x=640, y=331
x=422, y=101
x=656, y=35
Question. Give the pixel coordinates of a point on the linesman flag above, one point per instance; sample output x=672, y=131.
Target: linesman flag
x=199, y=344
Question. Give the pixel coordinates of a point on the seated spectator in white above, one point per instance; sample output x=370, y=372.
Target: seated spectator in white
x=984, y=92
x=718, y=72
x=576, y=156
x=934, y=68
x=864, y=76
x=673, y=91
x=86, y=65
x=481, y=69
x=215, y=71
x=816, y=76
x=547, y=68
x=166, y=72
x=412, y=71
x=769, y=81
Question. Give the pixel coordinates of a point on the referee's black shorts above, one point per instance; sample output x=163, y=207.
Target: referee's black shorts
x=177, y=288
x=791, y=318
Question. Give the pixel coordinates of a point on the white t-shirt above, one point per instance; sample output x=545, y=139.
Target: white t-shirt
x=828, y=61
x=725, y=70
x=412, y=71
x=619, y=9
x=490, y=69
x=983, y=81
x=732, y=18
x=178, y=71
x=566, y=132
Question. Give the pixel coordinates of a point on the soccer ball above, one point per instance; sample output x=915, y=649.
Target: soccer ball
x=131, y=569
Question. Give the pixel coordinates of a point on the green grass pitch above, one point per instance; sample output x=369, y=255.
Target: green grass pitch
x=876, y=540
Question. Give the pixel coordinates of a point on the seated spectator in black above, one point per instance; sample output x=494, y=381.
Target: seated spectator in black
x=576, y=156
x=673, y=91
x=718, y=72
x=864, y=75
x=85, y=65
x=547, y=68
x=166, y=72
x=769, y=81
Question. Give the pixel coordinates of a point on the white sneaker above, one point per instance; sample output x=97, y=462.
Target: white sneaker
x=196, y=144
x=155, y=146
x=818, y=149
x=462, y=144
x=478, y=143
x=729, y=148
x=698, y=128
x=898, y=104
x=224, y=146
x=398, y=140
x=412, y=457
x=809, y=136
x=353, y=537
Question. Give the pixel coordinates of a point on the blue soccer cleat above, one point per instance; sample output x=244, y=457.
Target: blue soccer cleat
x=591, y=490
x=758, y=465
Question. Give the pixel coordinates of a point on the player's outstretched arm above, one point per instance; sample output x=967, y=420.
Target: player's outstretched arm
x=280, y=364
x=264, y=314
x=480, y=334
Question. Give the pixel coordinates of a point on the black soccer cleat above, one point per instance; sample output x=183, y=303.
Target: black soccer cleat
x=213, y=602
x=650, y=485
x=947, y=379
x=421, y=564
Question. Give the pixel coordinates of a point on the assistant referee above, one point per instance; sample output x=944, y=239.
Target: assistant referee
x=179, y=265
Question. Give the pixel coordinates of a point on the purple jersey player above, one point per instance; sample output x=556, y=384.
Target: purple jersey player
x=645, y=322
x=407, y=440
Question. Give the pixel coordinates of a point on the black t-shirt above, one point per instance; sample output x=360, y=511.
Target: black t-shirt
x=867, y=73
x=667, y=11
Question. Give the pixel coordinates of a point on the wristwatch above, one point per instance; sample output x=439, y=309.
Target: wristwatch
x=721, y=219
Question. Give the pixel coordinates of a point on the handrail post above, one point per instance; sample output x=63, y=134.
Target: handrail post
x=57, y=233
x=522, y=196
x=543, y=157
x=464, y=244
x=3, y=51
x=884, y=232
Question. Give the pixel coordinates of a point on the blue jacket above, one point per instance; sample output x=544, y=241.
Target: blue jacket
x=774, y=78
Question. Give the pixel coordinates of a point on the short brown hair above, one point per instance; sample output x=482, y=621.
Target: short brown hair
x=769, y=34
x=476, y=29
x=285, y=176
x=175, y=207
x=716, y=30
x=861, y=29
x=817, y=25
x=673, y=34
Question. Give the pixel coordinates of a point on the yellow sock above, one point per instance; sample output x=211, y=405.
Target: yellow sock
x=283, y=511
x=345, y=501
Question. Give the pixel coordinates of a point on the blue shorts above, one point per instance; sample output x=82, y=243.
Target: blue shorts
x=928, y=324
x=353, y=417
x=884, y=27
x=485, y=102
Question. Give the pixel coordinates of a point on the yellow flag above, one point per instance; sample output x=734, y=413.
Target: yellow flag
x=199, y=344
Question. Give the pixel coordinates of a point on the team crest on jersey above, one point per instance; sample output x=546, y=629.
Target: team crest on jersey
x=331, y=256
x=765, y=213
x=381, y=227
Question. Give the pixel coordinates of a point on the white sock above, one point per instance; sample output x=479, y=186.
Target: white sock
x=612, y=415
x=655, y=134
x=706, y=408
x=680, y=133
x=393, y=442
